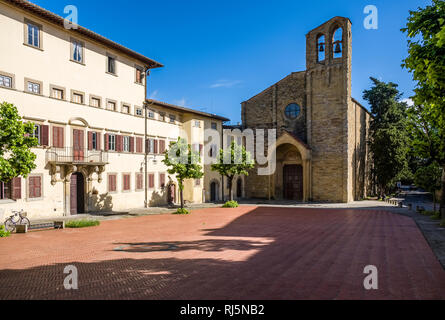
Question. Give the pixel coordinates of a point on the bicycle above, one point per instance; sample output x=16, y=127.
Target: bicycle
x=17, y=218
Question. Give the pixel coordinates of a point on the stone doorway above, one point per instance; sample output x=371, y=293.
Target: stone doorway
x=214, y=191
x=77, y=194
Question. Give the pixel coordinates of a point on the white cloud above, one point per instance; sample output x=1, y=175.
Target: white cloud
x=225, y=83
x=181, y=102
x=154, y=94
x=409, y=102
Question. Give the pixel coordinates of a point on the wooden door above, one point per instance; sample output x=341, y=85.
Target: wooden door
x=172, y=194
x=213, y=191
x=77, y=193
x=78, y=145
x=73, y=194
x=293, y=182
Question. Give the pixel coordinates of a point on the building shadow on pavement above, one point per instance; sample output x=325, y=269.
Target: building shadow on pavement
x=304, y=254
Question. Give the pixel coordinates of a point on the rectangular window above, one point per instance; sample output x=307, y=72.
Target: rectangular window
x=36, y=133
x=139, y=75
x=111, y=65
x=5, y=81
x=126, y=147
x=5, y=190
x=126, y=109
x=139, y=181
x=161, y=116
x=197, y=182
x=151, y=180
x=94, y=140
x=34, y=187
x=77, y=98
x=172, y=118
x=112, y=185
x=197, y=124
x=214, y=126
x=111, y=105
x=213, y=150
x=112, y=142
x=57, y=94
x=33, y=87
x=151, y=114
x=150, y=145
x=126, y=182
x=95, y=102
x=139, y=112
x=77, y=51
x=33, y=32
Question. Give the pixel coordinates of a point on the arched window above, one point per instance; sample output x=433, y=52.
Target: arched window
x=292, y=111
x=337, y=43
x=321, y=48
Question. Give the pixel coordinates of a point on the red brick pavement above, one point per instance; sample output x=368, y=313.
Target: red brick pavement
x=244, y=253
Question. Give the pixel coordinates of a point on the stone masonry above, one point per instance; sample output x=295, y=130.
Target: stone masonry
x=331, y=124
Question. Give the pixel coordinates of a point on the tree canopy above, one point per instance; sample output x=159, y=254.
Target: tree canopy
x=388, y=137
x=233, y=161
x=16, y=141
x=425, y=29
x=183, y=162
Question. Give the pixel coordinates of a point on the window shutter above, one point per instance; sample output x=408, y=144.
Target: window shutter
x=38, y=187
x=161, y=146
x=106, y=142
x=44, y=139
x=131, y=144
x=139, y=145
x=35, y=188
x=156, y=146
x=119, y=143
x=90, y=141
x=98, y=141
x=55, y=137
x=151, y=180
x=200, y=149
x=16, y=186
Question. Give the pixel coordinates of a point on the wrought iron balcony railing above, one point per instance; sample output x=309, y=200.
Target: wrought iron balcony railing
x=76, y=155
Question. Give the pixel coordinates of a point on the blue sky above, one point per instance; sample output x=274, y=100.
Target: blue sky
x=220, y=53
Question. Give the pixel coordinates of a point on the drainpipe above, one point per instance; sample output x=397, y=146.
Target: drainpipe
x=222, y=146
x=147, y=74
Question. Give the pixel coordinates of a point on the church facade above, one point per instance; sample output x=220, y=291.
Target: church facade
x=321, y=148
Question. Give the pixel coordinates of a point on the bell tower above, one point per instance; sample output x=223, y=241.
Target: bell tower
x=328, y=96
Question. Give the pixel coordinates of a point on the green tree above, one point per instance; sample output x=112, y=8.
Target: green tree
x=429, y=179
x=16, y=141
x=426, y=61
x=232, y=162
x=184, y=163
x=388, y=136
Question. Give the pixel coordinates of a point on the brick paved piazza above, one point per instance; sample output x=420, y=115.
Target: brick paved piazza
x=244, y=253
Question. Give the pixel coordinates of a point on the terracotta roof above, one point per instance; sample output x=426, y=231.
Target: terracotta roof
x=58, y=20
x=184, y=109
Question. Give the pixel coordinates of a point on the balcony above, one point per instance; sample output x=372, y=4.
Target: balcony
x=77, y=156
